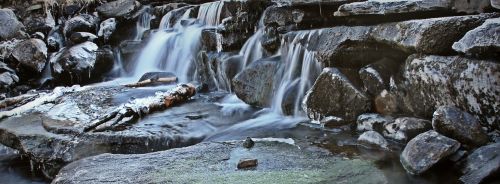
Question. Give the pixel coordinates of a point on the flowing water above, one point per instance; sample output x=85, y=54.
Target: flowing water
x=143, y=23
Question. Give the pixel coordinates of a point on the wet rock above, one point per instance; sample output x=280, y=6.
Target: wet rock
x=31, y=54
x=374, y=138
x=74, y=65
x=425, y=150
x=372, y=122
x=80, y=37
x=156, y=75
x=482, y=41
x=333, y=94
x=433, y=81
x=459, y=125
x=105, y=59
x=55, y=40
x=249, y=143
x=118, y=8
x=247, y=163
x=482, y=164
x=405, y=128
x=213, y=162
x=254, y=85
x=495, y=4
x=81, y=23
x=10, y=27
x=106, y=29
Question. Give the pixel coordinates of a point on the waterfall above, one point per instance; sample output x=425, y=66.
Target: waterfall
x=173, y=47
x=143, y=24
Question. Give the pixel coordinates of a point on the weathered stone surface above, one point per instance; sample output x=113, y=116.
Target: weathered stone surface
x=80, y=37
x=118, y=8
x=10, y=27
x=74, y=65
x=333, y=94
x=459, y=125
x=254, y=85
x=404, y=129
x=469, y=84
x=81, y=23
x=482, y=164
x=107, y=28
x=31, y=54
x=374, y=138
x=214, y=162
x=425, y=150
x=483, y=41
x=372, y=122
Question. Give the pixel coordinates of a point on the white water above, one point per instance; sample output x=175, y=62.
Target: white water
x=143, y=24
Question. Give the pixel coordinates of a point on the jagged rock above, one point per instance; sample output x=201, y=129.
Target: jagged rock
x=433, y=81
x=254, y=85
x=107, y=28
x=372, y=137
x=31, y=54
x=212, y=162
x=118, y=8
x=333, y=94
x=39, y=22
x=81, y=23
x=372, y=122
x=425, y=150
x=10, y=27
x=404, y=129
x=482, y=164
x=55, y=40
x=74, y=65
x=495, y=4
x=459, y=125
x=481, y=41
x=376, y=76
x=80, y=37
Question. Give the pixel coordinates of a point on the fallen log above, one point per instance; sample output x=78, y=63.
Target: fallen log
x=154, y=82
x=136, y=108
x=8, y=102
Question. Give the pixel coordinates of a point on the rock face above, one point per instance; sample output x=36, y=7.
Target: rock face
x=107, y=28
x=461, y=126
x=484, y=162
x=216, y=162
x=482, y=41
x=75, y=64
x=372, y=137
x=10, y=27
x=118, y=8
x=254, y=85
x=433, y=81
x=405, y=128
x=31, y=54
x=425, y=150
x=81, y=23
x=333, y=94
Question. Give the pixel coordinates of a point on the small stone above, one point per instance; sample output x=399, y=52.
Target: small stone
x=246, y=163
x=374, y=138
x=249, y=143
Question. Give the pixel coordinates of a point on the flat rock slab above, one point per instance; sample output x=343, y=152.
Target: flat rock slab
x=216, y=162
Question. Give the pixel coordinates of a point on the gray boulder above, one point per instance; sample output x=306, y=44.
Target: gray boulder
x=80, y=37
x=373, y=138
x=404, y=129
x=74, y=65
x=425, y=150
x=10, y=27
x=118, y=8
x=483, y=41
x=459, y=125
x=81, y=23
x=31, y=54
x=333, y=94
x=254, y=85
x=481, y=164
x=433, y=81
x=372, y=122
x=107, y=28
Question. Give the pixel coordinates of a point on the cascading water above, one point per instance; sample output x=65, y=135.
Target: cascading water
x=143, y=24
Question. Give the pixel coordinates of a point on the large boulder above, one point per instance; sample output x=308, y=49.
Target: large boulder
x=254, y=85
x=482, y=164
x=425, y=150
x=81, y=23
x=433, y=81
x=74, y=65
x=118, y=8
x=31, y=54
x=10, y=27
x=459, y=125
x=481, y=41
x=406, y=128
x=334, y=94
x=216, y=162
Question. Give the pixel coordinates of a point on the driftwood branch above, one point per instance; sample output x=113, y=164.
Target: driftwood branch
x=8, y=102
x=152, y=82
x=134, y=109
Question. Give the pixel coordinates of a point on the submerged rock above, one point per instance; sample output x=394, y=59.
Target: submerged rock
x=118, y=8
x=10, y=27
x=372, y=137
x=483, y=41
x=425, y=150
x=75, y=64
x=404, y=129
x=481, y=164
x=214, y=162
x=254, y=85
x=31, y=54
x=461, y=126
x=333, y=94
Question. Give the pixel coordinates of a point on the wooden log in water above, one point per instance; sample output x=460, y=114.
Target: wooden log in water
x=154, y=82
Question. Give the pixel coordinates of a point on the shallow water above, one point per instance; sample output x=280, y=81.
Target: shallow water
x=15, y=170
